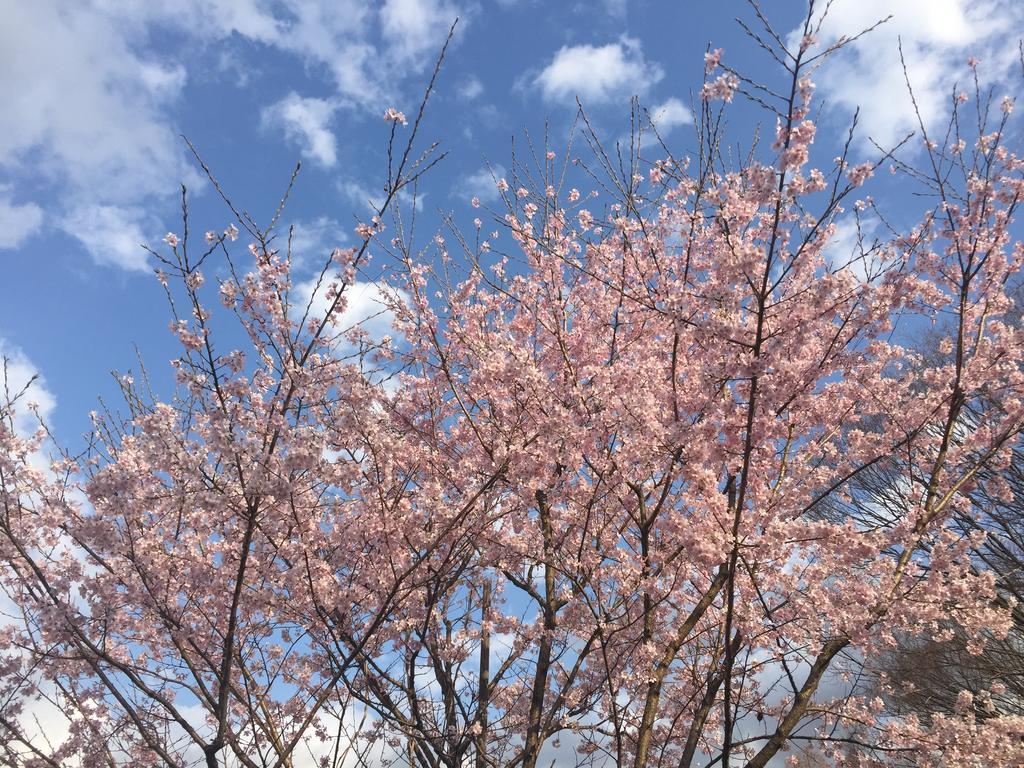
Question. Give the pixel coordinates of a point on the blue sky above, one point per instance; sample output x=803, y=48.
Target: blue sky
x=97, y=92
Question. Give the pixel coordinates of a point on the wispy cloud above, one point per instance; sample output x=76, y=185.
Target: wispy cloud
x=669, y=115
x=112, y=234
x=470, y=88
x=306, y=122
x=18, y=221
x=480, y=184
x=415, y=29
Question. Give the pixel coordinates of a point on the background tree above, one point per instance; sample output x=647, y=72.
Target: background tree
x=926, y=677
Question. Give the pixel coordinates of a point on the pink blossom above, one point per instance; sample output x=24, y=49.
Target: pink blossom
x=711, y=59
x=723, y=87
x=858, y=174
x=394, y=116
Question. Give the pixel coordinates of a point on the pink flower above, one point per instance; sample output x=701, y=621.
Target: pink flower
x=722, y=87
x=860, y=173
x=711, y=59
x=1007, y=105
x=475, y=202
x=806, y=86
x=964, y=702
x=502, y=185
x=394, y=116
x=190, y=340
x=550, y=155
x=973, y=62
x=171, y=239
x=343, y=256
x=231, y=233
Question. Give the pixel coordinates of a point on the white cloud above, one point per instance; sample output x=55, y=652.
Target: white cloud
x=416, y=28
x=113, y=235
x=669, y=115
x=366, y=306
x=313, y=241
x=328, y=34
x=598, y=74
x=937, y=35
x=471, y=88
x=19, y=372
x=333, y=35
x=361, y=196
x=18, y=222
x=856, y=250
x=481, y=184
x=306, y=122
x=212, y=19
x=367, y=201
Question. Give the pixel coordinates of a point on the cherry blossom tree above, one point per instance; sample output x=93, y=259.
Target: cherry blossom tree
x=586, y=506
